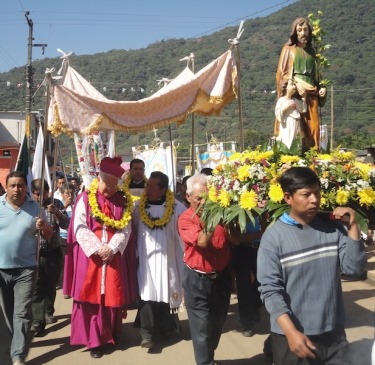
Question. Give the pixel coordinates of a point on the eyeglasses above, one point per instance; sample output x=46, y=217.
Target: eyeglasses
x=37, y=193
x=108, y=185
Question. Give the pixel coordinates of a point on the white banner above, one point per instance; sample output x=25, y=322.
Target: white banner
x=159, y=159
x=36, y=169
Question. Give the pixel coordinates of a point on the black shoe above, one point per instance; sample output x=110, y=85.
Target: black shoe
x=147, y=344
x=96, y=353
x=50, y=319
x=38, y=329
x=248, y=333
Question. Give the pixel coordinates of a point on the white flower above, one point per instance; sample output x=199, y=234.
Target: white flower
x=324, y=183
x=236, y=186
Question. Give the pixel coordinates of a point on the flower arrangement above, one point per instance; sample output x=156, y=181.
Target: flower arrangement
x=101, y=217
x=247, y=185
x=152, y=222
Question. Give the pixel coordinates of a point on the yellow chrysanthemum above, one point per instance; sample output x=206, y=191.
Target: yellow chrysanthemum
x=276, y=193
x=366, y=196
x=265, y=155
x=212, y=194
x=289, y=159
x=248, y=200
x=235, y=156
x=247, y=155
x=325, y=157
x=323, y=202
x=364, y=170
x=342, y=197
x=345, y=155
x=243, y=172
x=224, y=198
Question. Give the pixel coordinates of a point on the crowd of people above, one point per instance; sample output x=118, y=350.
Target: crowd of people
x=154, y=252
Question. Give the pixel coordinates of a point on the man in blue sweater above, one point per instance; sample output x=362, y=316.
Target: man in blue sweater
x=299, y=263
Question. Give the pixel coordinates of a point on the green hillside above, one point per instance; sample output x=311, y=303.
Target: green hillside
x=131, y=75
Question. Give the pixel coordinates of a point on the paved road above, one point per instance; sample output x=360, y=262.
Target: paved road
x=234, y=349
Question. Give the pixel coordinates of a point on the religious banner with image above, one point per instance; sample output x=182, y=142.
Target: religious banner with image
x=91, y=149
x=214, y=154
x=158, y=158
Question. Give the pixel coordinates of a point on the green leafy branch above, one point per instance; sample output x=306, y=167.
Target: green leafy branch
x=320, y=47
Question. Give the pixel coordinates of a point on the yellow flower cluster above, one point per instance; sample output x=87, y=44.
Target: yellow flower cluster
x=248, y=184
x=152, y=222
x=127, y=182
x=248, y=200
x=100, y=216
x=275, y=193
x=367, y=197
x=342, y=197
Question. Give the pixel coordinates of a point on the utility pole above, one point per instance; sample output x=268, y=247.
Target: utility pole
x=29, y=76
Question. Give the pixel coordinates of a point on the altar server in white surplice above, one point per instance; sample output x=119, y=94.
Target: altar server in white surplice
x=160, y=254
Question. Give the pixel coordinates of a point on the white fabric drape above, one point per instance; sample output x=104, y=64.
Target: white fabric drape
x=77, y=107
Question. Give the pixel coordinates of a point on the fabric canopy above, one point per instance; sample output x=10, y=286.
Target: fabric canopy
x=77, y=107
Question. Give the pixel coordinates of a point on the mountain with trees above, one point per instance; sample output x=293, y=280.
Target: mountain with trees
x=133, y=74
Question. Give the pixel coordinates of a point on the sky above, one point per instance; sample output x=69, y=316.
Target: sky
x=86, y=27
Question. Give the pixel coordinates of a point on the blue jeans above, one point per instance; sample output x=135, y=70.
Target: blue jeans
x=16, y=293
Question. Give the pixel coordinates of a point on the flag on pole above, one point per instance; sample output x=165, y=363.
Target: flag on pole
x=37, y=161
x=23, y=161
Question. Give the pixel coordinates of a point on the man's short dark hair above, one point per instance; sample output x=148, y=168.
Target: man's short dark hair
x=19, y=174
x=298, y=178
x=163, y=179
x=66, y=187
x=36, y=185
x=207, y=171
x=136, y=160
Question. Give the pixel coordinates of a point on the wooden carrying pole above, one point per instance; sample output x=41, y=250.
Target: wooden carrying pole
x=46, y=106
x=192, y=58
x=235, y=42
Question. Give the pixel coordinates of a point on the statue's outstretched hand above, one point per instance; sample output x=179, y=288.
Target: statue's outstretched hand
x=322, y=92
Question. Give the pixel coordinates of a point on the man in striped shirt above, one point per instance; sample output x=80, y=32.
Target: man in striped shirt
x=299, y=263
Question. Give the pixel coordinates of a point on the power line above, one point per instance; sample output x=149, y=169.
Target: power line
x=243, y=18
